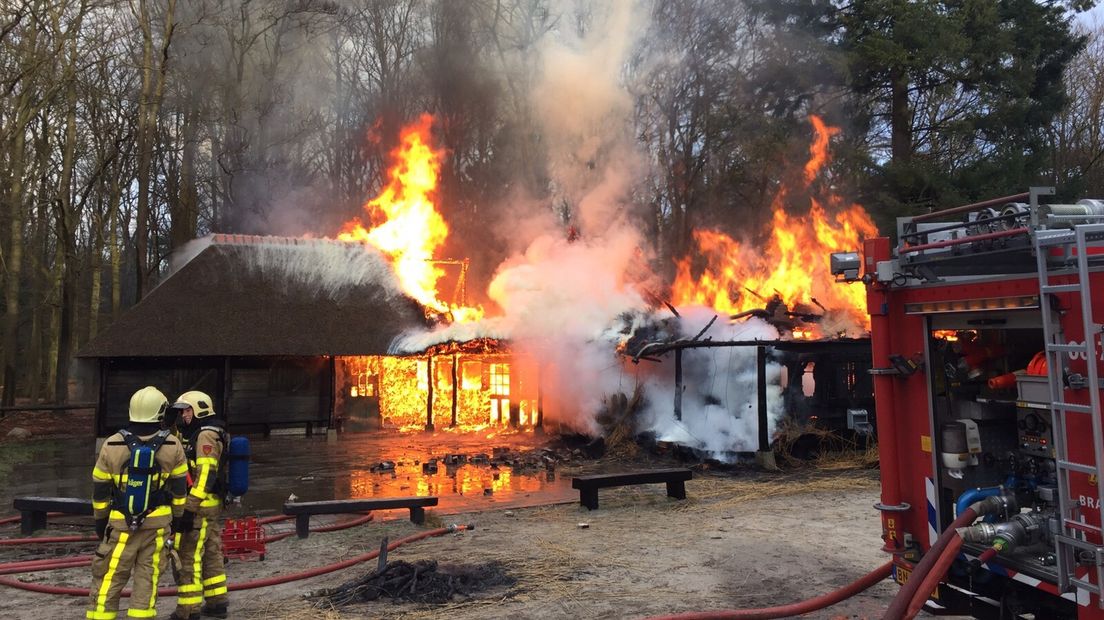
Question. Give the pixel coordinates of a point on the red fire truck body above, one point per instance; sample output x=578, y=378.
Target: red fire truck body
x=986, y=388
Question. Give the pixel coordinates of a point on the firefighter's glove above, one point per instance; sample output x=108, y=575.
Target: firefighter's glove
x=101, y=528
x=185, y=523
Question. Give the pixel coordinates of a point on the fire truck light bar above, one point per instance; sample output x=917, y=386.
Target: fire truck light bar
x=972, y=305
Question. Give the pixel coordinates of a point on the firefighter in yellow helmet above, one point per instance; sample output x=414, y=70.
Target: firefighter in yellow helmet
x=202, y=578
x=138, y=488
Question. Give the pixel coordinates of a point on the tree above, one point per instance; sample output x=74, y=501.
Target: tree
x=957, y=96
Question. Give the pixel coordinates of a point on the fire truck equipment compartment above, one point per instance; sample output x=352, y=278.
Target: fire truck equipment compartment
x=304, y=510
x=1032, y=388
x=33, y=510
x=588, y=485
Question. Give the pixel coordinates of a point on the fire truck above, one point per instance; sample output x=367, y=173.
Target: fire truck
x=985, y=330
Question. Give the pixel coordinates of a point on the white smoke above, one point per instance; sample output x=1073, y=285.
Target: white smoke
x=571, y=303
x=720, y=397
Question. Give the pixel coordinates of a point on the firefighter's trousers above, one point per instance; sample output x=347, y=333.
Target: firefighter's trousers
x=122, y=554
x=202, y=575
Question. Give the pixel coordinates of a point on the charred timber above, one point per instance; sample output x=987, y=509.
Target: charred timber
x=655, y=349
x=475, y=346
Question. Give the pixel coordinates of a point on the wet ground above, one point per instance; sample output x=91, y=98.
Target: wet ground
x=352, y=465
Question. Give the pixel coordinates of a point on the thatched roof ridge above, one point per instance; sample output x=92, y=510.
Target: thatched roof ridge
x=266, y=296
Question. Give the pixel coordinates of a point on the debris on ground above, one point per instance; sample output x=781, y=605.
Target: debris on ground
x=422, y=581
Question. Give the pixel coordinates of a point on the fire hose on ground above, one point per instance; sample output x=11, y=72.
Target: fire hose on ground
x=39, y=540
x=256, y=583
x=910, y=598
x=18, y=518
x=794, y=609
x=47, y=564
x=931, y=580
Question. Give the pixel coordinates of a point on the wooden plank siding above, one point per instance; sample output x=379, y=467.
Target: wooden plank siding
x=259, y=393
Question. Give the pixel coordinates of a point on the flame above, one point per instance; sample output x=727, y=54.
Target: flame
x=482, y=383
x=794, y=262
x=406, y=225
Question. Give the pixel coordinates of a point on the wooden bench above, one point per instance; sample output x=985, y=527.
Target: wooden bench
x=304, y=510
x=588, y=485
x=33, y=510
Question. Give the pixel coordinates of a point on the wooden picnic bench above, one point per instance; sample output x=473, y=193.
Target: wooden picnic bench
x=304, y=510
x=33, y=510
x=588, y=485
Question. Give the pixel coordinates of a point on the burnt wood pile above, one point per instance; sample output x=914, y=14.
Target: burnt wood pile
x=422, y=581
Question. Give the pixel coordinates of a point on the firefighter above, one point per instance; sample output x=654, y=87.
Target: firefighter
x=202, y=578
x=138, y=483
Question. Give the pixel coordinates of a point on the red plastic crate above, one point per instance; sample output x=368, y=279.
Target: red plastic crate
x=243, y=539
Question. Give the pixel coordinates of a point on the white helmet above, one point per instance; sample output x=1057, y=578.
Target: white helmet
x=200, y=403
x=148, y=405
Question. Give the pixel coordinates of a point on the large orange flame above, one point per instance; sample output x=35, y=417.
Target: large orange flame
x=406, y=225
x=794, y=262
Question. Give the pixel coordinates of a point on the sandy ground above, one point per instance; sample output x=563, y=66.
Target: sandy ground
x=739, y=540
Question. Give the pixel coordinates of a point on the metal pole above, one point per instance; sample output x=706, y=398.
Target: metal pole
x=455, y=387
x=429, y=395
x=540, y=396
x=886, y=412
x=678, y=384
x=761, y=371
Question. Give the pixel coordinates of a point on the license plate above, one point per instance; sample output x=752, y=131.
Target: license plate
x=902, y=575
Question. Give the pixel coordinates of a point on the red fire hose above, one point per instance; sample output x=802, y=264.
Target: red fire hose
x=45, y=564
x=55, y=565
x=900, y=603
x=17, y=518
x=325, y=528
x=73, y=539
x=45, y=561
x=256, y=583
x=793, y=609
x=45, y=539
x=933, y=577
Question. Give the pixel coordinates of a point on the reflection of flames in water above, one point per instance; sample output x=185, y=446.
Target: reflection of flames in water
x=794, y=262
x=487, y=386
x=405, y=223
x=468, y=480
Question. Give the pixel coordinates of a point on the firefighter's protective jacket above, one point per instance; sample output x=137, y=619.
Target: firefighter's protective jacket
x=109, y=480
x=204, y=457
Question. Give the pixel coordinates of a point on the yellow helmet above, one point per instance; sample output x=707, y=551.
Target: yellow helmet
x=148, y=405
x=200, y=403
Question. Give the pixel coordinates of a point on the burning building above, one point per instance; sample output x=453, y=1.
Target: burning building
x=262, y=324
x=356, y=333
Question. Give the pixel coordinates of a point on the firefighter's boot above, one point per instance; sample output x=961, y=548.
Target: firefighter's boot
x=183, y=615
x=216, y=610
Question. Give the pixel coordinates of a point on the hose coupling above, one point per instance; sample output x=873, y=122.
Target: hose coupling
x=1021, y=529
x=1003, y=505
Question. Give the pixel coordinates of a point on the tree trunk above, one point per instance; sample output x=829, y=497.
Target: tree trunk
x=66, y=223
x=14, y=260
x=148, y=113
x=116, y=259
x=95, y=293
x=185, y=212
x=900, y=119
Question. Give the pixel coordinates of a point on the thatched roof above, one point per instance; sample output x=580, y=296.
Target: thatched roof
x=263, y=296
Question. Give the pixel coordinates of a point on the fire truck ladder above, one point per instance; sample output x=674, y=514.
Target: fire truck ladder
x=1072, y=531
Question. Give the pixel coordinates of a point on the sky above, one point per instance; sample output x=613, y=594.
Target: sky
x=1095, y=16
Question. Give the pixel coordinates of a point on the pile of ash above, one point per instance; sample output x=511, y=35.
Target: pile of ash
x=422, y=581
